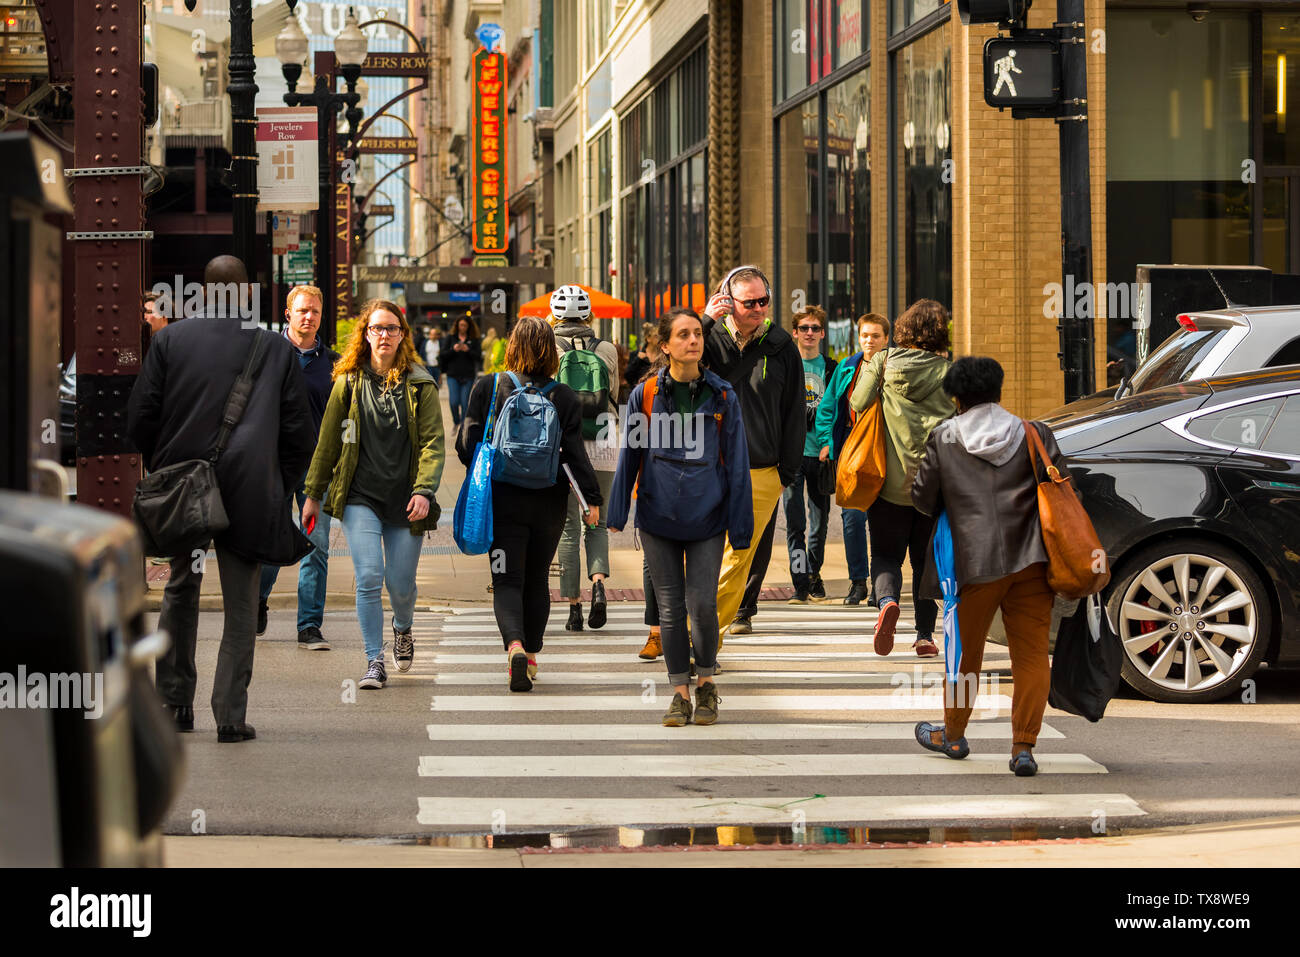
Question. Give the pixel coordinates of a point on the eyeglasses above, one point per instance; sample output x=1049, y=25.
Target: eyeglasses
x=755, y=303
x=390, y=332
x=809, y=329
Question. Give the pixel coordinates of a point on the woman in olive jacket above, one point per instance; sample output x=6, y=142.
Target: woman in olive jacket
x=907, y=377
x=977, y=467
x=377, y=466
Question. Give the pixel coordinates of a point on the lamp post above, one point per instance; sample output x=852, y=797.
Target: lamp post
x=350, y=50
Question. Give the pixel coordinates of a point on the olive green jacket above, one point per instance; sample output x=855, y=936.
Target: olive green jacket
x=335, y=461
x=914, y=403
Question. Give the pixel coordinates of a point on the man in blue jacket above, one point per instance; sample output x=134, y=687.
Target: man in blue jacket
x=303, y=318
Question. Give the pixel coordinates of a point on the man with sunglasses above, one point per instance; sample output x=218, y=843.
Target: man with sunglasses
x=759, y=359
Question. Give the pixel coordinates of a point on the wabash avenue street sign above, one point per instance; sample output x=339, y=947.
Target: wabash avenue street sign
x=1022, y=71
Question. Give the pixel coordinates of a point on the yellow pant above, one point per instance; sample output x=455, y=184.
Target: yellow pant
x=766, y=484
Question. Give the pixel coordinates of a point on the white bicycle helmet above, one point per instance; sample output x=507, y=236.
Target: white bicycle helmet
x=571, y=302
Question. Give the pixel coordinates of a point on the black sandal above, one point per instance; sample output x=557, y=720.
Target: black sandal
x=954, y=749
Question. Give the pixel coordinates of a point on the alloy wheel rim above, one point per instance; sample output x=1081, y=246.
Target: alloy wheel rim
x=1188, y=623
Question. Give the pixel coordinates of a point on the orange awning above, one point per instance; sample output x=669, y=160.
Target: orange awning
x=602, y=306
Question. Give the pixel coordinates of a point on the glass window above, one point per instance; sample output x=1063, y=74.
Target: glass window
x=903, y=13
x=1244, y=426
x=1288, y=355
x=850, y=23
x=799, y=175
x=598, y=22
x=1281, y=71
x=793, y=39
x=1176, y=359
x=924, y=160
x=848, y=210
x=1284, y=436
x=699, y=258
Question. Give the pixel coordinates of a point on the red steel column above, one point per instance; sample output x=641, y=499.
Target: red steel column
x=109, y=272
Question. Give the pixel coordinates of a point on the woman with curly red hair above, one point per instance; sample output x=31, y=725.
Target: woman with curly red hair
x=377, y=466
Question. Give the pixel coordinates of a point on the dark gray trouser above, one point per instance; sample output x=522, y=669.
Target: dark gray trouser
x=176, y=675
x=684, y=576
x=758, y=571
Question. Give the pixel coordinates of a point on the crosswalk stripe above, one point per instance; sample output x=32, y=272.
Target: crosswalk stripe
x=734, y=765
x=749, y=731
x=517, y=813
x=731, y=704
x=771, y=678
x=836, y=624
x=601, y=641
x=596, y=658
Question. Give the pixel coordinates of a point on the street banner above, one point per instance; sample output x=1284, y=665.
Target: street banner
x=342, y=245
x=284, y=233
x=287, y=161
x=488, y=145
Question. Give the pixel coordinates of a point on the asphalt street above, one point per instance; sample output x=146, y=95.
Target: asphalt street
x=815, y=730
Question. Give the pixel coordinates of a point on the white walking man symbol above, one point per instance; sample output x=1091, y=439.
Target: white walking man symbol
x=1004, y=68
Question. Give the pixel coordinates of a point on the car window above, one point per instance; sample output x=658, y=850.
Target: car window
x=1176, y=359
x=1244, y=426
x=1284, y=435
x=1288, y=355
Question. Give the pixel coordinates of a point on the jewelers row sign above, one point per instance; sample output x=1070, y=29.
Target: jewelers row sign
x=489, y=144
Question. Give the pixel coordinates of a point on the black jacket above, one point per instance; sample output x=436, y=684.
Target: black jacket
x=572, y=452
x=992, y=510
x=174, y=414
x=460, y=365
x=768, y=378
x=317, y=368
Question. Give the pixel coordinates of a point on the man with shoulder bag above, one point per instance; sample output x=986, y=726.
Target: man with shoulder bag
x=221, y=418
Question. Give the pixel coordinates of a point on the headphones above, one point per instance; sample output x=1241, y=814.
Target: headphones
x=726, y=283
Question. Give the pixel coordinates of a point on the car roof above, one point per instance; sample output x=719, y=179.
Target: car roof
x=1248, y=315
x=1257, y=379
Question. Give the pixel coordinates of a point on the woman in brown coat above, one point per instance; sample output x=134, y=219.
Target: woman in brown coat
x=977, y=467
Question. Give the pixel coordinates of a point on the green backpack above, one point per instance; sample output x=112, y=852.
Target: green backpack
x=587, y=375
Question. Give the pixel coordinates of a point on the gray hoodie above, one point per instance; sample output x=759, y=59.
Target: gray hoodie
x=987, y=431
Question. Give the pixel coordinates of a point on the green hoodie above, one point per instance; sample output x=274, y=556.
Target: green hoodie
x=914, y=404
x=335, y=460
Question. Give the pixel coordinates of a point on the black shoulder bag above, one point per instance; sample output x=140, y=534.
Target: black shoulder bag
x=179, y=507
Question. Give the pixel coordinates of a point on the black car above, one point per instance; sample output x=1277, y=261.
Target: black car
x=1194, y=489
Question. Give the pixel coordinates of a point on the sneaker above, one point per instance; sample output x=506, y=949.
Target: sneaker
x=816, y=589
x=310, y=639
x=575, y=617
x=742, y=626
x=403, y=649
x=653, y=648
x=925, y=647
x=262, y=611
x=597, y=617
x=883, y=641
x=532, y=667
x=857, y=592
x=679, y=712
x=519, y=679
x=800, y=596
x=706, y=703
x=376, y=675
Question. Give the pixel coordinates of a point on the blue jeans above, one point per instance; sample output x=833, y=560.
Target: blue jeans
x=855, y=542
x=381, y=555
x=683, y=574
x=313, y=571
x=805, y=560
x=458, y=397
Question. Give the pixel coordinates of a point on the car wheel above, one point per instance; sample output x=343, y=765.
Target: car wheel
x=1194, y=620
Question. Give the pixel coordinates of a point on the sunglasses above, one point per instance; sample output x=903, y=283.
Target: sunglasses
x=755, y=303
x=809, y=329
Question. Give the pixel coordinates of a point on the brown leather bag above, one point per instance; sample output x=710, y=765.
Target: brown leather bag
x=1076, y=563
x=861, y=471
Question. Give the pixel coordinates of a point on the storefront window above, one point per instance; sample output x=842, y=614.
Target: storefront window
x=848, y=209
x=1281, y=67
x=815, y=37
x=799, y=175
x=923, y=148
x=792, y=41
x=903, y=13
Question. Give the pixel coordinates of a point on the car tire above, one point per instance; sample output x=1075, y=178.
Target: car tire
x=1227, y=646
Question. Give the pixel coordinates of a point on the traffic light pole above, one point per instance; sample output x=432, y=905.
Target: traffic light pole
x=1076, y=332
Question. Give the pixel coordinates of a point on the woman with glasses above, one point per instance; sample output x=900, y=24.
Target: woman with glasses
x=380, y=457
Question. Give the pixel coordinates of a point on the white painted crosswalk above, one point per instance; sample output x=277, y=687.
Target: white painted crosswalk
x=805, y=704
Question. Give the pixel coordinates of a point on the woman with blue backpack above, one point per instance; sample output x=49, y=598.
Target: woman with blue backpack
x=684, y=450
x=534, y=426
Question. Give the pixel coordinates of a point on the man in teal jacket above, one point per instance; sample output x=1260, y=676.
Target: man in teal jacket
x=833, y=426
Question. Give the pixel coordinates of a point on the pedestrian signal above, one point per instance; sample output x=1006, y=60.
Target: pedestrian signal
x=1022, y=72
x=993, y=11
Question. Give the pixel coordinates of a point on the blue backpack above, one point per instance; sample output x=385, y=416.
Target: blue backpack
x=526, y=439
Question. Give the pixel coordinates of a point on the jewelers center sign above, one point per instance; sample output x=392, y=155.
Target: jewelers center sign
x=489, y=144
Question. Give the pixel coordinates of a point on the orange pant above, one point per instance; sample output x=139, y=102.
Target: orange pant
x=1026, y=603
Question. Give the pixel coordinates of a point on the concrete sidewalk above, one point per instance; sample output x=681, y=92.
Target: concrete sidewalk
x=1273, y=842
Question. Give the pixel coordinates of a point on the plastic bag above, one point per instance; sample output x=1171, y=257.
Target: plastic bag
x=945, y=563
x=472, y=525
x=1086, y=663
